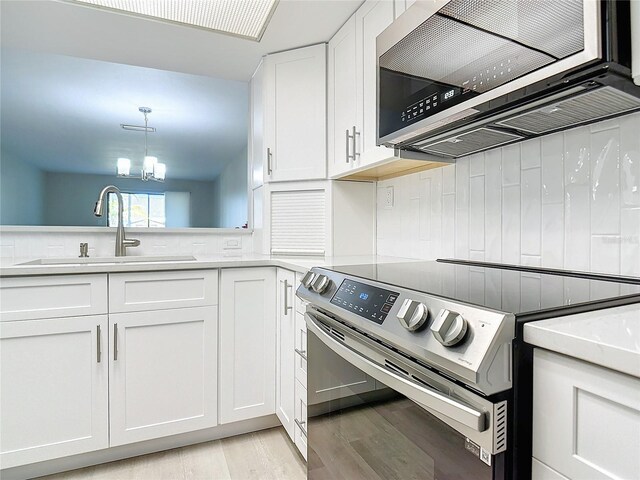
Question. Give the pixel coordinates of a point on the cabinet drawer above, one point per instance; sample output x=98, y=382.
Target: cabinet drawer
x=134, y=292
x=586, y=418
x=301, y=349
x=27, y=298
x=300, y=435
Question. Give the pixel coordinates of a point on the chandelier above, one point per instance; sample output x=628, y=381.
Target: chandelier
x=151, y=168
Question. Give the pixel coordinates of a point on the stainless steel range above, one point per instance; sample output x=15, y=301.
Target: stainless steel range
x=418, y=370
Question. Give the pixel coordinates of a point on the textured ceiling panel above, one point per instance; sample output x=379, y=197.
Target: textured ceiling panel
x=243, y=18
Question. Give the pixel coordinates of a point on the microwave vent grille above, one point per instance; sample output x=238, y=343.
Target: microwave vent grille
x=587, y=107
x=553, y=27
x=453, y=53
x=469, y=142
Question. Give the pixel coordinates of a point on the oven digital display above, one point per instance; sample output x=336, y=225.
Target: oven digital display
x=370, y=302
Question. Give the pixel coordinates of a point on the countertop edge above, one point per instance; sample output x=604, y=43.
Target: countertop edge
x=601, y=354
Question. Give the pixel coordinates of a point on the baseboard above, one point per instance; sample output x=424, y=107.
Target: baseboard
x=136, y=449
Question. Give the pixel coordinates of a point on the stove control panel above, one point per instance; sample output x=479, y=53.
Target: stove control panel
x=412, y=314
x=367, y=301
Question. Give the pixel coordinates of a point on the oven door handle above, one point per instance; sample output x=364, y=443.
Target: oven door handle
x=427, y=397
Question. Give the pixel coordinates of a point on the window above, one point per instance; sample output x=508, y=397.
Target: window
x=139, y=210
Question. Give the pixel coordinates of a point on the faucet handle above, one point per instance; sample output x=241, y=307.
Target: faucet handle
x=84, y=250
x=131, y=242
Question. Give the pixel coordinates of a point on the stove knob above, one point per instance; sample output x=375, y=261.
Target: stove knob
x=320, y=283
x=308, y=278
x=412, y=314
x=449, y=328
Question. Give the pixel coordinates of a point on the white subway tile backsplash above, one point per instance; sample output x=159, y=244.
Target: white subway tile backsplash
x=553, y=168
x=531, y=198
x=577, y=227
x=605, y=182
x=629, y=242
x=449, y=179
x=630, y=161
x=511, y=165
x=530, y=156
x=553, y=235
x=476, y=165
x=568, y=200
x=476, y=213
x=577, y=149
x=511, y=224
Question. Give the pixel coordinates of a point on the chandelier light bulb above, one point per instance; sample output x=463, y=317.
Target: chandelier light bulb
x=124, y=167
x=159, y=171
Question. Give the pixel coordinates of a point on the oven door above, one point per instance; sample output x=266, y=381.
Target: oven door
x=373, y=415
x=442, y=59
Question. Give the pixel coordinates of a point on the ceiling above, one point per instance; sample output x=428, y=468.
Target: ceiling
x=82, y=31
x=72, y=74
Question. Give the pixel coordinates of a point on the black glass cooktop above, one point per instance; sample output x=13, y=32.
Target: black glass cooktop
x=499, y=288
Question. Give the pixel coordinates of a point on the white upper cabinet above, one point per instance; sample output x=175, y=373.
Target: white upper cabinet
x=257, y=149
x=352, y=89
x=295, y=114
x=371, y=19
x=342, y=88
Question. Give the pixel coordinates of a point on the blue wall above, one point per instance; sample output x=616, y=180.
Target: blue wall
x=21, y=192
x=74, y=196
x=230, y=200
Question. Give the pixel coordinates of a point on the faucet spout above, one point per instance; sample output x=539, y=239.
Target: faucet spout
x=121, y=241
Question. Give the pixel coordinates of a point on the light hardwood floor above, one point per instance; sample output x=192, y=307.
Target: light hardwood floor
x=267, y=454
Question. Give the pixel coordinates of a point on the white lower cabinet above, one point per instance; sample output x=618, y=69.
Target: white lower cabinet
x=285, y=353
x=54, y=383
x=162, y=373
x=586, y=420
x=247, y=343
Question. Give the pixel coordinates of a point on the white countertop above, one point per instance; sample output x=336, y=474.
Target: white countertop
x=298, y=264
x=610, y=337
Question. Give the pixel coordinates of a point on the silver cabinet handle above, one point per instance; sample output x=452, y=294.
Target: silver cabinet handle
x=300, y=426
x=348, y=157
x=287, y=307
x=98, y=342
x=269, y=169
x=115, y=341
x=423, y=395
x=302, y=353
x=353, y=139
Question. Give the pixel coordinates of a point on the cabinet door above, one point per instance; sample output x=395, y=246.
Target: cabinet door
x=285, y=350
x=247, y=343
x=586, y=419
x=258, y=150
x=301, y=349
x=296, y=114
x=342, y=93
x=162, y=373
x=371, y=19
x=54, y=382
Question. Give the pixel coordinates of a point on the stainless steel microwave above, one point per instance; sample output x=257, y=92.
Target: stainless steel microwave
x=457, y=77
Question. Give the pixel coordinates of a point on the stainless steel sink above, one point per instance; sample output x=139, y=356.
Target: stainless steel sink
x=103, y=260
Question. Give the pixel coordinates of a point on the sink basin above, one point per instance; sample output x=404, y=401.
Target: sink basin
x=101, y=260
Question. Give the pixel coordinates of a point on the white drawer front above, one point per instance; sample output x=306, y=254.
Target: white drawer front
x=26, y=298
x=586, y=419
x=300, y=436
x=134, y=292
